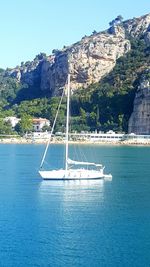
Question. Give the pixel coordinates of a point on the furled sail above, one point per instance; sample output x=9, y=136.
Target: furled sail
x=74, y=162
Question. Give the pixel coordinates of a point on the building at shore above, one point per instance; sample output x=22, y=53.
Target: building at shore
x=12, y=120
x=97, y=137
x=39, y=123
x=89, y=138
x=109, y=137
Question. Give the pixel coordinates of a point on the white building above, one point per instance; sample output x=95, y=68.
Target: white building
x=110, y=136
x=13, y=120
x=39, y=123
x=107, y=137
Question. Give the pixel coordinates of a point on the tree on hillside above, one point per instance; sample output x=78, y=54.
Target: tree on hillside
x=116, y=21
x=5, y=127
x=25, y=125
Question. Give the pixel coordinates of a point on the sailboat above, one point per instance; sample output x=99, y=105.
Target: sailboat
x=73, y=170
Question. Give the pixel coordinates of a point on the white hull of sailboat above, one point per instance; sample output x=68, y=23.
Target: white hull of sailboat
x=69, y=173
x=77, y=174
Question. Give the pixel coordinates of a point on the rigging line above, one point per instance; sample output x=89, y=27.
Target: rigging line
x=44, y=155
x=82, y=154
x=47, y=163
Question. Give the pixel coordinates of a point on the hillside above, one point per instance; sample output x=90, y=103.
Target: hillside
x=107, y=72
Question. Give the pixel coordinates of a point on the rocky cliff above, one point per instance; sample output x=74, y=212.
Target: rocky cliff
x=89, y=59
x=138, y=26
x=139, y=122
x=92, y=59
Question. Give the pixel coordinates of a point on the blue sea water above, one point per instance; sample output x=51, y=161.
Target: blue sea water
x=76, y=223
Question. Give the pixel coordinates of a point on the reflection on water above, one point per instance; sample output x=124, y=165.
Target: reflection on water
x=74, y=191
x=72, y=184
x=75, y=223
x=70, y=207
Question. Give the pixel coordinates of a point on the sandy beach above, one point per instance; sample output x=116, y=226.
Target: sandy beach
x=22, y=140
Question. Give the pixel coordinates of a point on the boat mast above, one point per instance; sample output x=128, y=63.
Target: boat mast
x=67, y=122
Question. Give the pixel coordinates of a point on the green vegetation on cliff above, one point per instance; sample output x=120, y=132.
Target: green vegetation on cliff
x=108, y=104
x=103, y=106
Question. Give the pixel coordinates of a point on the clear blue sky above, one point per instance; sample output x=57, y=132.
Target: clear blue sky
x=29, y=27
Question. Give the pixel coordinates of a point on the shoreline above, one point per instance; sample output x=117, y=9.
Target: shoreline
x=22, y=140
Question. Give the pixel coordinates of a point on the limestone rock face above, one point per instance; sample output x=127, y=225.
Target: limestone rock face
x=137, y=26
x=88, y=60
x=54, y=73
x=139, y=122
x=147, y=37
x=28, y=73
x=117, y=30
